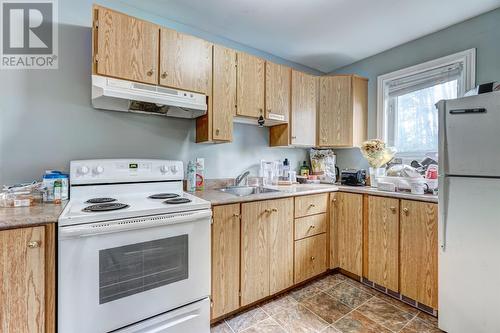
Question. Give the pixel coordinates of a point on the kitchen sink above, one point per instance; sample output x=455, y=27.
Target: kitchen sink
x=243, y=191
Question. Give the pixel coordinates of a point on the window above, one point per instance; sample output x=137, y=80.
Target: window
x=407, y=116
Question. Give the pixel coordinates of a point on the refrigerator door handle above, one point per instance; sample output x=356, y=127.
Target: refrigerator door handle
x=443, y=209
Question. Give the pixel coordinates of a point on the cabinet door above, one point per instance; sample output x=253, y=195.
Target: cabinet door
x=185, y=62
x=22, y=278
x=303, y=109
x=335, y=111
x=383, y=241
x=250, y=86
x=224, y=93
x=254, y=251
x=277, y=92
x=310, y=257
x=349, y=223
x=280, y=244
x=126, y=47
x=419, y=252
x=333, y=231
x=225, y=259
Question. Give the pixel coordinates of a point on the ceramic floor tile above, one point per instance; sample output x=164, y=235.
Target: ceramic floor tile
x=326, y=307
x=385, y=314
x=304, y=292
x=399, y=304
x=419, y=326
x=298, y=319
x=330, y=329
x=363, y=287
x=349, y=294
x=433, y=321
x=221, y=328
x=246, y=319
x=355, y=322
x=268, y=325
x=278, y=304
x=329, y=281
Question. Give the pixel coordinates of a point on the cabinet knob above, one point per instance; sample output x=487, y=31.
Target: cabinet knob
x=151, y=72
x=312, y=227
x=33, y=244
x=313, y=258
x=274, y=210
x=294, y=137
x=406, y=211
x=312, y=205
x=236, y=215
x=217, y=131
x=334, y=200
x=267, y=210
x=164, y=75
x=393, y=208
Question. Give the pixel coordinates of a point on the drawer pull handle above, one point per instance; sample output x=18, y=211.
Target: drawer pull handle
x=312, y=205
x=164, y=75
x=267, y=210
x=393, y=208
x=406, y=211
x=274, y=210
x=236, y=215
x=334, y=200
x=312, y=227
x=150, y=72
x=313, y=258
x=33, y=244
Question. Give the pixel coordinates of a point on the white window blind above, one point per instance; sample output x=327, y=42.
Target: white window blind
x=408, y=120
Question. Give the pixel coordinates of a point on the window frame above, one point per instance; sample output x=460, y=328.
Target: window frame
x=468, y=60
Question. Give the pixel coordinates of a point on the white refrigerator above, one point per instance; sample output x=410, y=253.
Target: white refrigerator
x=469, y=220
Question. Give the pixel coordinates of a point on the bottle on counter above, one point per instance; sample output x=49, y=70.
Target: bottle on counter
x=200, y=174
x=191, y=177
x=57, y=191
x=286, y=168
x=304, y=169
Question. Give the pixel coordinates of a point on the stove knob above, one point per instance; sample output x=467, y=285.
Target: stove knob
x=174, y=169
x=98, y=170
x=164, y=169
x=83, y=170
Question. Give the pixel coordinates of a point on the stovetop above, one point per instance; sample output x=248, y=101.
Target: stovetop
x=136, y=205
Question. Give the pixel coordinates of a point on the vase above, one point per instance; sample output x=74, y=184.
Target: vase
x=374, y=173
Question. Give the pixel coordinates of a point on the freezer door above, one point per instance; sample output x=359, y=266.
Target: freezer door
x=469, y=263
x=469, y=135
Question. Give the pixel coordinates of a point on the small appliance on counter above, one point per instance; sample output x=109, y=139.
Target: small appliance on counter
x=353, y=177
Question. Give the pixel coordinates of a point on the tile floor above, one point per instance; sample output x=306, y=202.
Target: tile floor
x=333, y=304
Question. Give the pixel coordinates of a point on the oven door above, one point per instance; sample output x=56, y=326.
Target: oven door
x=116, y=273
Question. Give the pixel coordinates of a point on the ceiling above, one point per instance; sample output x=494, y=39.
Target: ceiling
x=321, y=34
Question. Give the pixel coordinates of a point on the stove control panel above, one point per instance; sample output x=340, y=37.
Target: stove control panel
x=124, y=171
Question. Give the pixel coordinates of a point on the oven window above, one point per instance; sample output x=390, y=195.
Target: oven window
x=131, y=269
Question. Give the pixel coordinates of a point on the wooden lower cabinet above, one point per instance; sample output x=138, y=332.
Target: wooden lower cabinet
x=383, y=241
x=310, y=257
x=266, y=248
x=225, y=259
x=419, y=251
x=27, y=278
x=348, y=231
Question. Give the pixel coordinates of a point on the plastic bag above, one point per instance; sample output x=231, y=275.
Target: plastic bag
x=323, y=164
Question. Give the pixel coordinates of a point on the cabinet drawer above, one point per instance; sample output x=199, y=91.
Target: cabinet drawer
x=310, y=226
x=310, y=257
x=311, y=204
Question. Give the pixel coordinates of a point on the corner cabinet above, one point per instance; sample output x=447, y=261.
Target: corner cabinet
x=125, y=47
x=27, y=278
x=185, y=62
x=343, y=111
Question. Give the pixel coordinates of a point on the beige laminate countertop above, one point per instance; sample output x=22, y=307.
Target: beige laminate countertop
x=20, y=217
x=217, y=197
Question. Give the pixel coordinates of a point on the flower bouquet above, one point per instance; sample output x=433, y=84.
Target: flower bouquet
x=377, y=154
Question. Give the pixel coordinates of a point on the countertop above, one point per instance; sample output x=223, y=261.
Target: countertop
x=40, y=214
x=217, y=197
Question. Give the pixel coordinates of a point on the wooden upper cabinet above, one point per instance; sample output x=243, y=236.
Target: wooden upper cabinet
x=343, y=110
x=225, y=259
x=304, y=101
x=419, y=252
x=125, y=47
x=22, y=278
x=185, y=62
x=224, y=93
x=278, y=79
x=349, y=228
x=383, y=242
x=250, y=87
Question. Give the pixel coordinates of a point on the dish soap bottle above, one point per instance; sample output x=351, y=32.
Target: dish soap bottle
x=286, y=168
x=191, y=177
x=304, y=169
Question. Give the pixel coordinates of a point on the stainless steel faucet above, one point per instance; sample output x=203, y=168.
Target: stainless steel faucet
x=241, y=177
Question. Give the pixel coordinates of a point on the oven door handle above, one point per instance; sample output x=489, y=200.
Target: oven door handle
x=99, y=228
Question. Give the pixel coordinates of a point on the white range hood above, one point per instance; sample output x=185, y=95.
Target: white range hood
x=121, y=95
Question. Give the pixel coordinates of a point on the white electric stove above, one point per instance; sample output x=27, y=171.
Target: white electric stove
x=134, y=250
